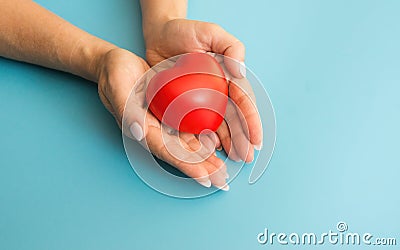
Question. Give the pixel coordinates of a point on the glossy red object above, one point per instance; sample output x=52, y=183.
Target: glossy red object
x=191, y=96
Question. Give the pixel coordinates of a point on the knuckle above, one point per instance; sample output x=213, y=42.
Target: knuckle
x=240, y=44
x=213, y=27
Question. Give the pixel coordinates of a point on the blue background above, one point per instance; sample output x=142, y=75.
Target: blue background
x=332, y=70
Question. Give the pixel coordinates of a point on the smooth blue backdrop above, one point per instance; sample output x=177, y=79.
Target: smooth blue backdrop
x=332, y=69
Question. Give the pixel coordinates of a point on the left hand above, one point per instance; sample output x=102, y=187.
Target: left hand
x=120, y=71
x=179, y=36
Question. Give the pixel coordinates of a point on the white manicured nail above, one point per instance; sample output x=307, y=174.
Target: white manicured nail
x=205, y=183
x=258, y=147
x=236, y=159
x=136, y=131
x=242, y=69
x=225, y=188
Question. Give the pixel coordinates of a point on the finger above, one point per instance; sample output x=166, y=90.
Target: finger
x=245, y=87
x=115, y=89
x=224, y=43
x=179, y=149
x=154, y=140
x=135, y=109
x=215, y=166
x=136, y=106
x=226, y=141
x=248, y=109
x=240, y=142
x=217, y=173
x=134, y=120
x=233, y=155
x=219, y=164
x=224, y=136
x=214, y=137
x=209, y=140
x=198, y=150
x=151, y=122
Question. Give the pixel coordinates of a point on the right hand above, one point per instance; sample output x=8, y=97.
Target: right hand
x=241, y=131
x=119, y=70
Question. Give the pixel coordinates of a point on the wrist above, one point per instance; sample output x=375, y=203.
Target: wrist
x=87, y=59
x=156, y=13
x=152, y=29
x=78, y=52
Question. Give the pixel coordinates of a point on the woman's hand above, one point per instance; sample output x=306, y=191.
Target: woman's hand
x=241, y=131
x=180, y=36
x=119, y=71
x=62, y=46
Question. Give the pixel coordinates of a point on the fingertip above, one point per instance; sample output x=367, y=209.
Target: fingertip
x=224, y=137
x=250, y=154
x=220, y=182
x=199, y=174
x=210, y=141
x=258, y=147
x=256, y=136
x=234, y=59
x=235, y=67
x=224, y=187
x=216, y=139
x=136, y=131
x=226, y=175
x=204, y=182
x=233, y=155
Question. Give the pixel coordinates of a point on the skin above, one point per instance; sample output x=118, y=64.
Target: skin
x=62, y=46
x=164, y=24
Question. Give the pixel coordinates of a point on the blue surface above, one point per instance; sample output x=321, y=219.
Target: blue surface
x=332, y=71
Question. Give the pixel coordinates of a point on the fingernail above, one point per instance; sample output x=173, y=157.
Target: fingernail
x=136, y=131
x=225, y=188
x=219, y=149
x=205, y=183
x=235, y=159
x=258, y=147
x=242, y=69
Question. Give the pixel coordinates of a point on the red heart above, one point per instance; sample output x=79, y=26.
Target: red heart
x=191, y=96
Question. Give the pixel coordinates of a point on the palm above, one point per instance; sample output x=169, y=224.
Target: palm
x=181, y=36
x=192, y=37
x=122, y=73
x=121, y=69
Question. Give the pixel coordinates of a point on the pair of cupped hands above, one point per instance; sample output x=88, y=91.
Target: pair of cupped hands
x=239, y=134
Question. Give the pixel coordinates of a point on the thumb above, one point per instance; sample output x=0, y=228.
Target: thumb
x=128, y=107
x=226, y=44
x=134, y=124
x=134, y=115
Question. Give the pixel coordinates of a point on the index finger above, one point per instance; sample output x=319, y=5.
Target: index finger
x=242, y=95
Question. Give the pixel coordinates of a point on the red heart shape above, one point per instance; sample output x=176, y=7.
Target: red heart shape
x=191, y=96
